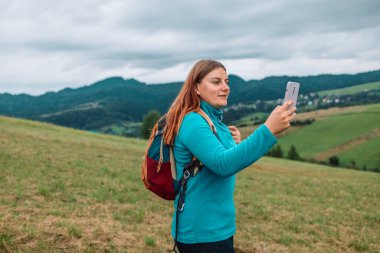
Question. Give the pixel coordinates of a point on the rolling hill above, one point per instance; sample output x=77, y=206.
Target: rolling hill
x=353, y=89
x=119, y=102
x=350, y=133
x=65, y=190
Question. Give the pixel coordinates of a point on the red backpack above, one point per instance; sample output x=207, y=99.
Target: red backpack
x=158, y=168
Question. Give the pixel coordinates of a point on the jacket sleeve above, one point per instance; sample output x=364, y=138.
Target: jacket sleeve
x=196, y=135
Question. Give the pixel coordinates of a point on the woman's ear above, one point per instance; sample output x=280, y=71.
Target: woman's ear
x=197, y=91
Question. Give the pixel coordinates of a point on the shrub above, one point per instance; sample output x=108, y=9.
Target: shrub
x=334, y=160
x=276, y=151
x=149, y=121
x=293, y=154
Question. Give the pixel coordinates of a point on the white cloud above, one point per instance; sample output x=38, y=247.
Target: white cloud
x=49, y=45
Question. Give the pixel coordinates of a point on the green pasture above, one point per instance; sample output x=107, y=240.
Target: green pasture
x=366, y=154
x=64, y=190
x=255, y=115
x=338, y=130
x=352, y=89
x=249, y=119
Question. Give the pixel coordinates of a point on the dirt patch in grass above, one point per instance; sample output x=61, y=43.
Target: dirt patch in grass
x=348, y=145
x=321, y=114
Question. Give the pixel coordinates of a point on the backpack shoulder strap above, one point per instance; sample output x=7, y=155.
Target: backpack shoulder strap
x=172, y=163
x=199, y=165
x=196, y=164
x=207, y=118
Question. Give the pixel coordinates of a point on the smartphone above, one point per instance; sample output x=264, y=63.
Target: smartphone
x=291, y=92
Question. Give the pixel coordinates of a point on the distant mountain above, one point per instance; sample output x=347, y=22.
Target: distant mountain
x=116, y=100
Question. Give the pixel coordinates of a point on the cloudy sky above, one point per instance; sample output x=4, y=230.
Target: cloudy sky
x=46, y=45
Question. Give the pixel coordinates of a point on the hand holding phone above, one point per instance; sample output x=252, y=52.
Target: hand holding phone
x=281, y=116
x=291, y=92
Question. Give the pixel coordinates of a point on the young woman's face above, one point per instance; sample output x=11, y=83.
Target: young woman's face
x=214, y=88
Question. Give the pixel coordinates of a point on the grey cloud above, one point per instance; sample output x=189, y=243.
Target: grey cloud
x=157, y=35
x=262, y=33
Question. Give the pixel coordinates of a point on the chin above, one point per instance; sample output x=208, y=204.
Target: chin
x=222, y=104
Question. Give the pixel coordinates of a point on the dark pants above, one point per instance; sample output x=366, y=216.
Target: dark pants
x=225, y=246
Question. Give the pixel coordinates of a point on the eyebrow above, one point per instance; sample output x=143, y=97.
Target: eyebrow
x=219, y=78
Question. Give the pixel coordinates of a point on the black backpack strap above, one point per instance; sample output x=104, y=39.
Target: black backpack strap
x=161, y=123
x=189, y=171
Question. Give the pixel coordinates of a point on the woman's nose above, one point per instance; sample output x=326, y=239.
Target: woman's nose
x=225, y=86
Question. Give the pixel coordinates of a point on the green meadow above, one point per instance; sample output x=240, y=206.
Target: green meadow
x=351, y=133
x=352, y=89
x=352, y=136
x=64, y=190
x=367, y=154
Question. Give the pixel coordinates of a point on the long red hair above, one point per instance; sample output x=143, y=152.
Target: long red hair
x=187, y=99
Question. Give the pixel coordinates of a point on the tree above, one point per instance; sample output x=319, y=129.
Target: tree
x=334, y=160
x=276, y=151
x=352, y=164
x=279, y=152
x=293, y=154
x=149, y=121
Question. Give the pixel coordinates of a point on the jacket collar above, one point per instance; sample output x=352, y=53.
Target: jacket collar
x=212, y=112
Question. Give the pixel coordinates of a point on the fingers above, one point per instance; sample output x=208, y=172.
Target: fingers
x=284, y=116
x=233, y=128
x=236, y=139
x=235, y=134
x=289, y=115
x=288, y=104
x=292, y=111
x=292, y=117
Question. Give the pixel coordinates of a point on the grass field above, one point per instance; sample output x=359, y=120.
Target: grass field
x=365, y=154
x=64, y=190
x=249, y=119
x=331, y=132
x=351, y=133
x=352, y=89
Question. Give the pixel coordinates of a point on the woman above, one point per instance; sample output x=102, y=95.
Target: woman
x=207, y=222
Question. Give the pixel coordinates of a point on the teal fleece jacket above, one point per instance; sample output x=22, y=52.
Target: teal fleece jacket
x=209, y=212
